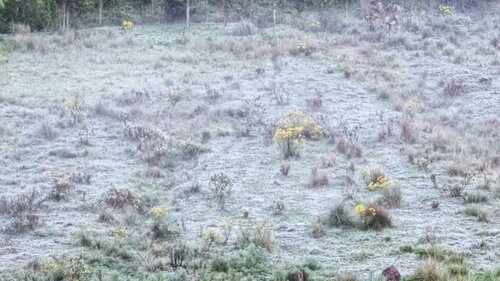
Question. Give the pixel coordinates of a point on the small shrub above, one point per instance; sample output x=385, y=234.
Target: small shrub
x=221, y=186
x=20, y=29
x=248, y=264
x=244, y=28
x=61, y=188
x=22, y=210
x=339, y=217
x=455, y=189
x=318, y=178
x=210, y=238
x=285, y=169
x=63, y=153
x=279, y=207
x=191, y=148
x=48, y=131
x=174, y=96
x=151, y=143
x=84, y=135
x=277, y=94
x=427, y=271
x=73, y=112
x=177, y=254
x=349, y=149
x=408, y=133
x=213, y=95
x=348, y=277
x=122, y=198
x=66, y=269
x=254, y=232
x=318, y=230
x=372, y=216
x=478, y=213
x=454, y=87
x=161, y=227
x=474, y=198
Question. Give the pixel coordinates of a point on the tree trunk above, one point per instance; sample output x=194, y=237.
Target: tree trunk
x=100, y=11
x=64, y=16
x=187, y=13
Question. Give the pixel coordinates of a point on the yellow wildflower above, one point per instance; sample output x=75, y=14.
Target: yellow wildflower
x=159, y=212
x=360, y=209
x=118, y=233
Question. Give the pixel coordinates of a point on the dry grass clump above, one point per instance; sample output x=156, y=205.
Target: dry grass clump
x=244, y=28
x=222, y=186
x=408, y=133
x=285, y=169
x=339, y=217
x=349, y=149
x=61, y=188
x=47, y=131
x=318, y=178
x=478, y=213
x=454, y=87
x=428, y=271
x=391, y=197
x=152, y=143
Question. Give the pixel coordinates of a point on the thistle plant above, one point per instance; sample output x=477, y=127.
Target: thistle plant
x=295, y=129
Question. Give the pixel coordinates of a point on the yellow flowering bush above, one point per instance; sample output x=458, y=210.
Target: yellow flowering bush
x=445, y=10
x=372, y=216
x=127, y=25
x=294, y=130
